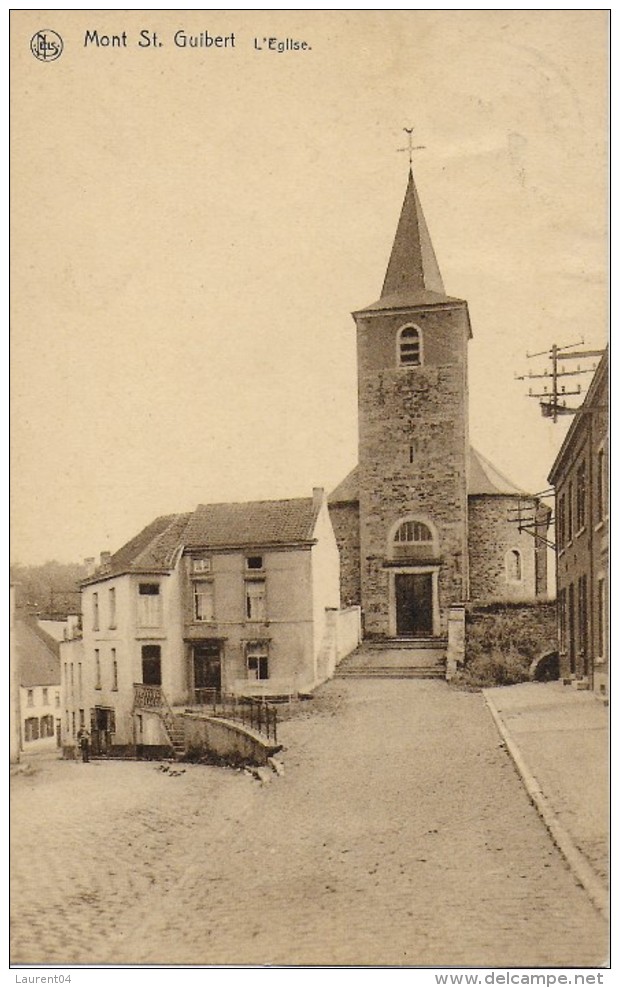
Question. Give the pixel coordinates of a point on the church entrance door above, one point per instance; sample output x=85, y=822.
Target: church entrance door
x=414, y=604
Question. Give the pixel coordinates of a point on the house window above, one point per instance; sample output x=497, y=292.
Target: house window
x=202, y=565
x=112, y=606
x=30, y=698
x=255, y=600
x=57, y=700
x=71, y=675
x=149, y=605
x=47, y=726
x=571, y=627
x=569, y=513
x=582, y=594
x=97, y=670
x=79, y=678
x=254, y=562
x=561, y=525
x=409, y=347
x=257, y=662
x=82, y=719
x=601, y=486
x=581, y=496
x=151, y=665
x=413, y=531
x=562, y=620
x=95, y=612
x=31, y=729
x=204, y=602
x=114, y=670
x=602, y=618
x=73, y=724
x=45, y=699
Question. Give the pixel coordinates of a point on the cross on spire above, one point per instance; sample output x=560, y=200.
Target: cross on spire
x=410, y=145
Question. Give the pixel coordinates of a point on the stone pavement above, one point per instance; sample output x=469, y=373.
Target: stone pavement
x=399, y=834
x=563, y=737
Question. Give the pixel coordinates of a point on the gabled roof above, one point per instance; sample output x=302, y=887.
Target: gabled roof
x=600, y=378
x=412, y=277
x=253, y=523
x=152, y=550
x=484, y=478
x=37, y=654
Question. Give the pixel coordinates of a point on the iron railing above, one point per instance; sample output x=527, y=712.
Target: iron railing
x=253, y=713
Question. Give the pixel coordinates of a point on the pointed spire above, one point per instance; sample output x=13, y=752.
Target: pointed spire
x=413, y=266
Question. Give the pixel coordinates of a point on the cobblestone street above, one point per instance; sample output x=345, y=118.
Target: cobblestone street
x=400, y=834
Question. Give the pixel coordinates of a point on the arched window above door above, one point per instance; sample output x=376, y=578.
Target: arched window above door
x=412, y=538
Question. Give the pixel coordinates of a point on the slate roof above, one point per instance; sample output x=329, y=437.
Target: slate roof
x=151, y=550
x=412, y=277
x=484, y=478
x=347, y=490
x=37, y=654
x=252, y=523
x=232, y=526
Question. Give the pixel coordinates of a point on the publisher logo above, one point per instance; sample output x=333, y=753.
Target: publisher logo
x=46, y=45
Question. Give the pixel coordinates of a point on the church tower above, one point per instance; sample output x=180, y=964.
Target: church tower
x=413, y=441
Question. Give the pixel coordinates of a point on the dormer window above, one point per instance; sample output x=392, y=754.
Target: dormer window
x=410, y=347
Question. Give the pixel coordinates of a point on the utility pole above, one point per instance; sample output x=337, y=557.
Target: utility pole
x=553, y=396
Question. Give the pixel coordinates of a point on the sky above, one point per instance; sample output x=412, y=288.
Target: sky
x=192, y=227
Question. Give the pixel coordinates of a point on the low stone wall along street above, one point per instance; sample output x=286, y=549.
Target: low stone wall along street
x=225, y=740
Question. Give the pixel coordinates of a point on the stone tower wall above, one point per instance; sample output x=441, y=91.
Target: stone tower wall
x=491, y=537
x=418, y=414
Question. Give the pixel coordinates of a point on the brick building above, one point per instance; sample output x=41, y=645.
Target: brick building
x=423, y=522
x=580, y=478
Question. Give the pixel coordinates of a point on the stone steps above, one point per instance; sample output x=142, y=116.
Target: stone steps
x=392, y=672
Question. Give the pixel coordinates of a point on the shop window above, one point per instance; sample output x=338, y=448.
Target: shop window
x=31, y=729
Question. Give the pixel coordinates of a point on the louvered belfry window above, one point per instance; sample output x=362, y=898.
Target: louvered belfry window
x=409, y=347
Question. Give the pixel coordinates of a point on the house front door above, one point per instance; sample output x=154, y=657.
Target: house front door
x=414, y=604
x=208, y=666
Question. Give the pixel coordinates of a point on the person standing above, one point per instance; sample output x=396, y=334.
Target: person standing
x=83, y=740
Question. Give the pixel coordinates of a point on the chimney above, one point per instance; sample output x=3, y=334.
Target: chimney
x=105, y=560
x=89, y=563
x=318, y=496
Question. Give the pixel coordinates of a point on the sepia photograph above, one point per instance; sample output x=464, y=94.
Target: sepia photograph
x=309, y=585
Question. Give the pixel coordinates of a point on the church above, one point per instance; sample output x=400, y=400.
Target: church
x=425, y=523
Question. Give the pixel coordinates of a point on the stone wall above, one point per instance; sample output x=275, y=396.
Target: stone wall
x=225, y=739
x=345, y=517
x=492, y=536
x=526, y=629
x=413, y=440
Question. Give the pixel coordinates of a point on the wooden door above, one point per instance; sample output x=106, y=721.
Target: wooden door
x=414, y=605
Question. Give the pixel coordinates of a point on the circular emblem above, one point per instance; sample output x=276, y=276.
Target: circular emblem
x=46, y=45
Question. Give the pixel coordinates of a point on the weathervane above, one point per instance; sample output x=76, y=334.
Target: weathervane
x=410, y=147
